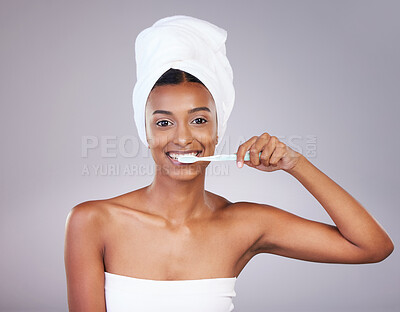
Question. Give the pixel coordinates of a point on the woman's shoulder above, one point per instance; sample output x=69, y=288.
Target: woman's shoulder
x=244, y=210
x=236, y=207
x=90, y=212
x=99, y=210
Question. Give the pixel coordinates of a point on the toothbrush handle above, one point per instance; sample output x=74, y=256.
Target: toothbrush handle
x=247, y=156
x=225, y=157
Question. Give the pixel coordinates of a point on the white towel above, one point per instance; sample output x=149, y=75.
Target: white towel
x=189, y=44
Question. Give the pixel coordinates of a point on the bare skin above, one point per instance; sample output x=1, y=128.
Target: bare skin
x=174, y=229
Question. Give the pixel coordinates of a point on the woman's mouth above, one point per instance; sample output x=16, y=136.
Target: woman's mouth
x=173, y=155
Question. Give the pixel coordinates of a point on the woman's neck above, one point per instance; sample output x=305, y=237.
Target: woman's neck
x=177, y=201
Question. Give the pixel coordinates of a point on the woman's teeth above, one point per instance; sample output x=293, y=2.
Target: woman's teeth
x=175, y=156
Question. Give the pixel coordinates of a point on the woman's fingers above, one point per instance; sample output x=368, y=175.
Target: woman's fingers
x=243, y=148
x=264, y=144
x=267, y=153
x=258, y=147
x=279, y=153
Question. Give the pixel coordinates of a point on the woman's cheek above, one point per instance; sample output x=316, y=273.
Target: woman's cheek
x=159, y=137
x=207, y=138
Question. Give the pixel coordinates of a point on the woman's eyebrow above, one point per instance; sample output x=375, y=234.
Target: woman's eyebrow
x=196, y=109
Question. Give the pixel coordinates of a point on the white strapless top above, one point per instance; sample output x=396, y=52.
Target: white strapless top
x=129, y=294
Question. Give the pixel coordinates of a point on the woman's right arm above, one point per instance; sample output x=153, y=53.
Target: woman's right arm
x=83, y=256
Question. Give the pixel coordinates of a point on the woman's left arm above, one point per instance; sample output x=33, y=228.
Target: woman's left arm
x=352, y=220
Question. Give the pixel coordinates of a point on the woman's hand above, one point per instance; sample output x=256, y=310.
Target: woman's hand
x=275, y=154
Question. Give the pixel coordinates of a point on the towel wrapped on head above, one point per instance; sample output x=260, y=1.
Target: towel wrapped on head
x=191, y=45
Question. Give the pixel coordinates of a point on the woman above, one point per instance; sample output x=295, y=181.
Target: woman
x=172, y=245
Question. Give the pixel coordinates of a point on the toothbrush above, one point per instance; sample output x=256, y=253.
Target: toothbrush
x=188, y=159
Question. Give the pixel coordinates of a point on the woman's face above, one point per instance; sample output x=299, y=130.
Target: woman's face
x=181, y=119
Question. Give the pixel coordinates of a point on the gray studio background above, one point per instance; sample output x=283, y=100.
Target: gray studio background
x=321, y=75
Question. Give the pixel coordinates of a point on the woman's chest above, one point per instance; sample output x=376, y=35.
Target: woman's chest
x=147, y=250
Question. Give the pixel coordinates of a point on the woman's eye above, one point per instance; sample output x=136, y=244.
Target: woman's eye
x=162, y=123
x=200, y=120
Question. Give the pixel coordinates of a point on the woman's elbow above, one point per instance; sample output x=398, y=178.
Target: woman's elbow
x=381, y=253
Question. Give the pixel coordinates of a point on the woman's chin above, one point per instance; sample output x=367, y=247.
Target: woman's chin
x=183, y=172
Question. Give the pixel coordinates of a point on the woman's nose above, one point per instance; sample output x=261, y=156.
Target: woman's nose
x=183, y=135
